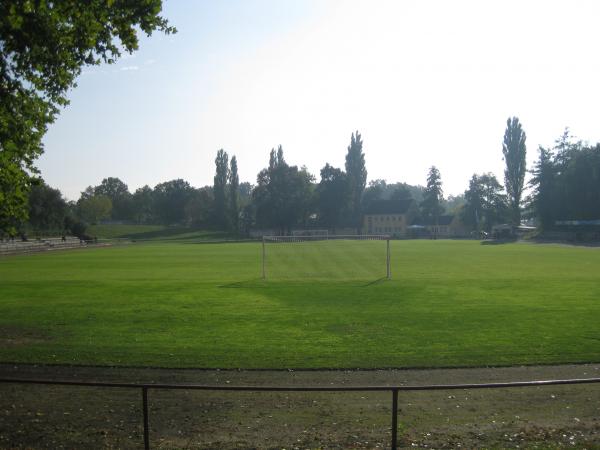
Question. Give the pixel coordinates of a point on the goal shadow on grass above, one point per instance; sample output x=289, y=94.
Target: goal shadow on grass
x=252, y=282
x=374, y=282
x=261, y=282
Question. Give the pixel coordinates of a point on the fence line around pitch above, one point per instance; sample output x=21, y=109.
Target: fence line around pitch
x=145, y=387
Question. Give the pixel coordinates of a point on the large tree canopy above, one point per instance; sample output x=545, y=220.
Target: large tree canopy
x=283, y=194
x=485, y=204
x=566, y=182
x=118, y=192
x=332, y=196
x=44, y=45
x=47, y=208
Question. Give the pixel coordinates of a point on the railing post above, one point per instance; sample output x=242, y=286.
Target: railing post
x=145, y=408
x=394, y=419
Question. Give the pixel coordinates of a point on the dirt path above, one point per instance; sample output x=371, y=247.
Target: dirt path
x=66, y=417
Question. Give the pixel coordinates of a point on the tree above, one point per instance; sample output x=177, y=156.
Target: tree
x=199, y=209
x=220, y=189
x=579, y=185
x=142, y=206
x=14, y=187
x=543, y=181
x=47, y=208
x=514, y=151
x=44, y=47
x=566, y=182
x=454, y=203
x=94, y=209
x=485, y=204
x=118, y=192
x=332, y=196
x=431, y=206
x=376, y=190
x=401, y=193
x=283, y=194
x=357, y=177
x=234, y=204
x=170, y=199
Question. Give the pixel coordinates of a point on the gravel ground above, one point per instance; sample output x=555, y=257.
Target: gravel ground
x=81, y=417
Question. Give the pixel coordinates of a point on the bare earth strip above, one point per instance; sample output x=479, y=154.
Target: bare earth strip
x=67, y=417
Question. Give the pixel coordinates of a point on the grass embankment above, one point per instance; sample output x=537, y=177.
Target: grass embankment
x=450, y=303
x=154, y=232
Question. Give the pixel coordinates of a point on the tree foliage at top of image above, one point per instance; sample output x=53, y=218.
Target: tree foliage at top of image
x=44, y=46
x=514, y=151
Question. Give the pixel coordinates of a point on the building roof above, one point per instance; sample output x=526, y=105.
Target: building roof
x=389, y=207
x=442, y=220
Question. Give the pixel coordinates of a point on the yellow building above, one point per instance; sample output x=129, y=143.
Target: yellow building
x=388, y=217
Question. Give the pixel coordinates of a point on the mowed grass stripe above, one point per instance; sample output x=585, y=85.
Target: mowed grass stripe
x=450, y=303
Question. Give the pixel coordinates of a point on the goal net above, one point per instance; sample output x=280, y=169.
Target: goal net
x=326, y=257
x=317, y=233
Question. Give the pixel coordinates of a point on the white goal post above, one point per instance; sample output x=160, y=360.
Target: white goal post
x=325, y=237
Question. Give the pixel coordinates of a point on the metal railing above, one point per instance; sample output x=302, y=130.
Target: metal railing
x=145, y=387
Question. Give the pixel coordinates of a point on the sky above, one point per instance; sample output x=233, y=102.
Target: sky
x=425, y=83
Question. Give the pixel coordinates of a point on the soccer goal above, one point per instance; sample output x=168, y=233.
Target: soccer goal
x=319, y=233
x=326, y=257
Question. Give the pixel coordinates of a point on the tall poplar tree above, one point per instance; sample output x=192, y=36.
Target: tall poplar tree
x=514, y=151
x=356, y=173
x=220, y=188
x=234, y=184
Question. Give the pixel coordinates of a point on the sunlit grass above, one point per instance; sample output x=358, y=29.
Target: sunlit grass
x=450, y=303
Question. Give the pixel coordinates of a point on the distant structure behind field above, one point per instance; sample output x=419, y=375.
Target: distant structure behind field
x=401, y=219
x=389, y=216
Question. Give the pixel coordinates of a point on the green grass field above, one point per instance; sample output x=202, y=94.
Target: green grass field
x=450, y=303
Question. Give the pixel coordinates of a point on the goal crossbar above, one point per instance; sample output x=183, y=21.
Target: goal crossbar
x=330, y=237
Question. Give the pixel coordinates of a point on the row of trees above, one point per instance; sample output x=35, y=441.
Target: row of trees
x=173, y=202
x=565, y=185
x=44, y=49
x=287, y=196
x=566, y=182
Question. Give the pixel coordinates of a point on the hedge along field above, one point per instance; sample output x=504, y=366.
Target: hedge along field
x=450, y=303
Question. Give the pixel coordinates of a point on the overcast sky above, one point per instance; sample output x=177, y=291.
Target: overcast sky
x=425, y=82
